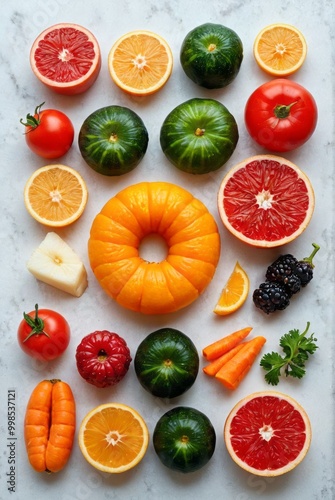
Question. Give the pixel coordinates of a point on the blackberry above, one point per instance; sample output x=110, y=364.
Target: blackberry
x=271, y=296
x=282, y=270
x=304, y=268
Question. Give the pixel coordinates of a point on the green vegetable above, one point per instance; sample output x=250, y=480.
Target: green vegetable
x=199, y=135
x=211, y=55
x=184, y=439
x=113, y=140
x=297, y=349
x=166, y=363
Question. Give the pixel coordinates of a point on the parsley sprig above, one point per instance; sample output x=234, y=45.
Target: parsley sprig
x=297, y=349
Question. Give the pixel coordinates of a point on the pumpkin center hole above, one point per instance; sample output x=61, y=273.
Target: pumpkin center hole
x=153, y=248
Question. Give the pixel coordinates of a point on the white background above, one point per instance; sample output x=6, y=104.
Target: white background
x=20, y=235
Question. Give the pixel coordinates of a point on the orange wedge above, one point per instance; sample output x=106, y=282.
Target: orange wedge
x=55, y=195
x=280, y=49
x=113, y=438
x=234, y=293
x=140, y=62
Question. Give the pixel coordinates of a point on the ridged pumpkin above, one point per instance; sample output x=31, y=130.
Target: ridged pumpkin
x=191, y=235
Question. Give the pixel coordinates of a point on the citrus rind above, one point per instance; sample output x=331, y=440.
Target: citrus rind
x=268, y=472
x=78, y=85
x=224, y=310
x=29, y=201
x=246, y=191
x=158, y=84
x=275, y=71
x=100, y=466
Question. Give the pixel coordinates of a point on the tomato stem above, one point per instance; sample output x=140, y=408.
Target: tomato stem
x=283, y=110
x=36, y=324
x=33, y=121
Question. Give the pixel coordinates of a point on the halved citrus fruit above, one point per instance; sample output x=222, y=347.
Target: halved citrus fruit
x=66, y=58
x=266, y=201
x=234, y=293
x=55, y=195
x=280, y=49
x=267, y=433
x=140, y=62
x=113, y=437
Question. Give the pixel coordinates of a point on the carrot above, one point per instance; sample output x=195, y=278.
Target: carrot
x=213, y=367
x=233, y=372
x=49, y=425
x=225, y=344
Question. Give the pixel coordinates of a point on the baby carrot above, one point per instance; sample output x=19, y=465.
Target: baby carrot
x=213, y=367
x=225, y=344
x=233, y=372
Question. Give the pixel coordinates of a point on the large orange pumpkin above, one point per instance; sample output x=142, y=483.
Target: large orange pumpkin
x=191, y=235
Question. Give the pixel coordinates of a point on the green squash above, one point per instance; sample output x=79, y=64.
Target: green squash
x=211, y=55
x=166, y=363
x=184, y=439
x=113, y=140
x=199, y=135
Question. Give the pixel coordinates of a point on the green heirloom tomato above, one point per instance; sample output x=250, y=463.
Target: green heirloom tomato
x=199, y=135
x=113, y=140
x=184, y=439
x=211, y=55
x=166, y=363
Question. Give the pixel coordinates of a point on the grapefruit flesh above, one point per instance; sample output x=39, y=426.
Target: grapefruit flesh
x=267, y=433
x=66, y=58
x=266, y=201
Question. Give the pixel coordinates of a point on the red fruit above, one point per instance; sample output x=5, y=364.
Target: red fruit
x=103, y=358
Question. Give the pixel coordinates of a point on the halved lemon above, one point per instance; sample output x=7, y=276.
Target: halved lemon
x=55, y=195
x=280, y=49
x=234, y=293
x=140, y=62
x=113, y=437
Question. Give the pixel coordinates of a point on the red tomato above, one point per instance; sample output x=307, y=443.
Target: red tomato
x=49, y=133
x=43, y=334
x=281, y=115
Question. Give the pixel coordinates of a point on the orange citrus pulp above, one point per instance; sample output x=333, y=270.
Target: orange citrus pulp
x=234, y=293
x=55, y=195
x=280, y=49
x=113, y=437
x=140, y=62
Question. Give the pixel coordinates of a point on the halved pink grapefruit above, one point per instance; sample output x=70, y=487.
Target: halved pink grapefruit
x=267, y=433
x=266, y=201
x=66, y=58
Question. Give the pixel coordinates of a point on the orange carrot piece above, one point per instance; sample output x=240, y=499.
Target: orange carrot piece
x=213, y=367
x=234, y=371
x=225, y=344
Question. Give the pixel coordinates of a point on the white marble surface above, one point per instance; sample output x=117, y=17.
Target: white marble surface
x=20, y=234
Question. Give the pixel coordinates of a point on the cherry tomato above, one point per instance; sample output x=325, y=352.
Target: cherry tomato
x=43, y=334
x=49, y=133
x=281, y=115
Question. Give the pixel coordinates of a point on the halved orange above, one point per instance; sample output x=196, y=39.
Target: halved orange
x=280, y=49
x=267, y=433
x=266, y=201
x=55, y=195
x=113, y=437
x=140, y=62
x=234, y=293
x=66, y=58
